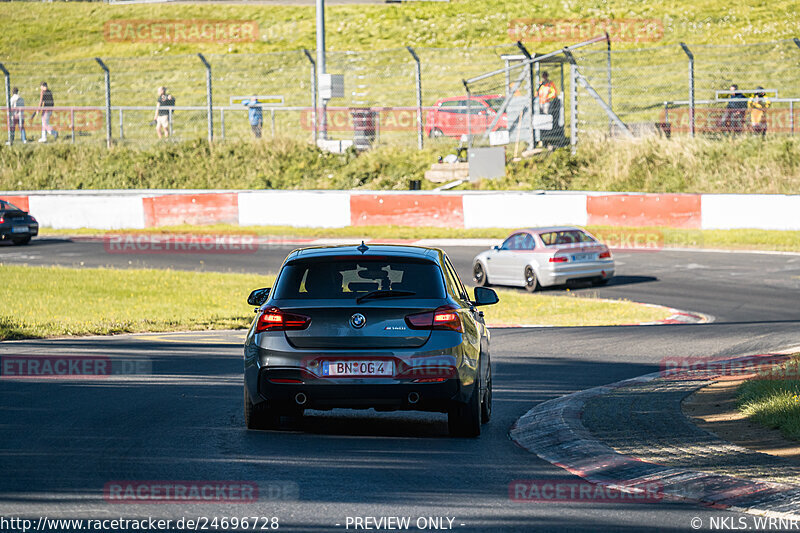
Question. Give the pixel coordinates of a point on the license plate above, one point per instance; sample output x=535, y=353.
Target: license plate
x=357, y=368
x=19, y=229
x=583, y=257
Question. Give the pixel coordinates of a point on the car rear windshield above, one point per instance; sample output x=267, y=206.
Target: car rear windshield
x=5, y=206
x=351, y=277
x=551, y=238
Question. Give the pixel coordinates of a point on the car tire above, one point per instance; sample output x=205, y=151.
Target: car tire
x=464, y=419
x=479, y=275
x=486, y=404
x=24, y=240
x=436, y=133
x=531, y=281
x=258, y=416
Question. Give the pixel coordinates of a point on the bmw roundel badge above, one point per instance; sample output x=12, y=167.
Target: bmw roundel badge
x=358, y=320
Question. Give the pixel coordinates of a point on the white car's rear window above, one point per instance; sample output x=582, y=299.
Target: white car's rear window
x=555, y=238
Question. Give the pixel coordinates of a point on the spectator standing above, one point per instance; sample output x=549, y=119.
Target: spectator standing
x=45, y=102
x=255, y=115
x=163, y=115
x=17, y=116
x=758, y=106
x=547, y=92
x=733, y=118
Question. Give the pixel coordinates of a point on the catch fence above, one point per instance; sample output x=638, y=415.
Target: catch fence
x=402, y=93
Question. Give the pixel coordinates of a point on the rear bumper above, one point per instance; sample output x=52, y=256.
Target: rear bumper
x=7, y=233
x=389, y=395
x=598, y=271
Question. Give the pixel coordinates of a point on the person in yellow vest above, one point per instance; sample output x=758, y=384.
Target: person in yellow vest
x=546, y=92
x=758, y=105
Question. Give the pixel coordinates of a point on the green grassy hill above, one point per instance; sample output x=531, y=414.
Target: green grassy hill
x=53, y=31
x=58, y=41
x=455, y=40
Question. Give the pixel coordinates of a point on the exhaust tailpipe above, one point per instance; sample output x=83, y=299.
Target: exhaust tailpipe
x=413, y=398
x=300, y=398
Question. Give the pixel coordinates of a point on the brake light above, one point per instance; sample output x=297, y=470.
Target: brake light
x=33, y=219
x=273, y=319
x=2, y=220
x=560, y=259
x=605, y=255
x=284, y=381
x=443, y=318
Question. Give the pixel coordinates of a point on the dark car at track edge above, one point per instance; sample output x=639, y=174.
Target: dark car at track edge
x=387, y=327
x=16, y=224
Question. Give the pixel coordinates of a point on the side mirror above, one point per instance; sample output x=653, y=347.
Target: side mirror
x=496, y=247
x=258, y=296
x=484, y=296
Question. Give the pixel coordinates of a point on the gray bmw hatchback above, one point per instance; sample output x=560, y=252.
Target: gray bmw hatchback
x=385, y=327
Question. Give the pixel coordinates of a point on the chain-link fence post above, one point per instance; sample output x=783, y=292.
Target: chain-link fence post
x=209, y=94
x=469, y=115
x=573, y=107
x=531, y=81
x=313, y=93
x=791, y=104
x=7, y=77
x=691, y=85
x=608, y=75
x=418, y=79
x=107, y=76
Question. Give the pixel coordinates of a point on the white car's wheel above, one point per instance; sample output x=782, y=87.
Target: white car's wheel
x=479, y=275
x=531, y=281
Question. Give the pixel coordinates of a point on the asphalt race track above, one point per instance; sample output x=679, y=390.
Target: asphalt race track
x=65, y=440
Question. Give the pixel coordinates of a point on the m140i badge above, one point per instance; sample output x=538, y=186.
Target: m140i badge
x=358, y=320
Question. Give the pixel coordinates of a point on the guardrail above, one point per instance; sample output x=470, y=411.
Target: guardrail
x=112, y=209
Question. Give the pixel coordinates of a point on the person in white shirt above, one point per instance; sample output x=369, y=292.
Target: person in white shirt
x=17, y=116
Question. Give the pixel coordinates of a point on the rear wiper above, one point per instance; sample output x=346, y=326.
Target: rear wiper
x=383, y=294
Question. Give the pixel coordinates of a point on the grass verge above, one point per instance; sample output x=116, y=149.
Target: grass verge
x=774, y=403
x=679, y=165
x=741, y=239
x=57, y=301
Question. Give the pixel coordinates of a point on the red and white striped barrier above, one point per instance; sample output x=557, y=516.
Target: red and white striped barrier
x=124, y=209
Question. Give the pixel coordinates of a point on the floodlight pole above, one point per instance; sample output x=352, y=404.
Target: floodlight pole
x=107, y=76
x=321, y=63
x=8, y=100
x=691, y=85
x=208, y=98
